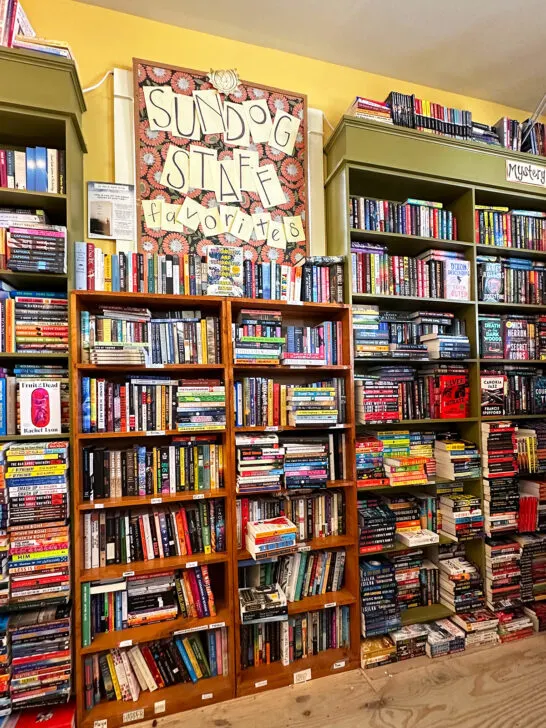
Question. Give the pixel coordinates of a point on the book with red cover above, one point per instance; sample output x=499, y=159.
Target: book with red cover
x=454, y=396
x=52, y=716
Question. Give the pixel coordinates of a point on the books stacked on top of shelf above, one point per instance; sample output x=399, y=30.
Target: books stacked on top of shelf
x=306, y=462
x=402, y=471
x=33, y=249
x=480, y=627
x=258, y=337
x=377, y=525
x=128, y=335
x=317, y=515
x=318, y=345
x=412, y=217
x=537, y=615
x=317, y=279
x=36, y=169
x=500, y=477
x=410, y=641
x=376, y=400
x=40, y=645
x=185, y=464
x=406, y=511
x=503, y=573
x=435, y=274
x=201, y=405
x=514, y=625
x=509, y=133
x=502, y=227
x=311, y=573
x=255, y=509
x=124, y=672
x=462, y=516
x=270, y=537
x=461, y=585
x=369, y=462
x=377, y=652
x=263, y=603
x=116, y=537
x=33, y=321
x=378, y=590
x=260, y=463
x=43, y=45
x=456, y=459
x=446, y=347
x=533, y=137
x=485, y=134
x=14, y=22
x=444, y=638
x=414, y=539
x=363, y=108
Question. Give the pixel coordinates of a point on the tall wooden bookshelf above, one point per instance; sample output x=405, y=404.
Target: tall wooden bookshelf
x=237, y=682
x=374, y=160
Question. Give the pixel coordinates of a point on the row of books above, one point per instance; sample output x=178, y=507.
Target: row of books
x=118, y=537
x=261, y=401
x=145, y=599
x=408, y=335
x=123, y=673
x=36, y=169
x=412, y=217
x=395, y=458
x=34, y=249
x=393, y=394
x=14, y=23
x=513, y=390
x=316, y=279
x=512, y=336
x=270, y=538
x=194, y=464
x=433, y=274
x=33, y=321
x=127, y=335
x=409, y=111
x=151, y=403
x=500, y=226
x=511, y=280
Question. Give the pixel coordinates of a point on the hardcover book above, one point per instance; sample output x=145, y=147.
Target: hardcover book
x=457, y=279
x=224, y=271
x=40, y=407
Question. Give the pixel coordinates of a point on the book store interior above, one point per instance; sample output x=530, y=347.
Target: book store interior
x=272, y=364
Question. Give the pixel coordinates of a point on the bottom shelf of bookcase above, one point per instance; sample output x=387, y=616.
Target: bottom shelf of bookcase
x=425, y=614
x=275, y=675
x=150, y=705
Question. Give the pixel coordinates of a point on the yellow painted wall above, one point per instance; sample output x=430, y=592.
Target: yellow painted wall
x=102, y=39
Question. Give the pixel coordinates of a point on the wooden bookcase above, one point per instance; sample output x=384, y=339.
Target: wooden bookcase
x=238, y=682
x=375, y=160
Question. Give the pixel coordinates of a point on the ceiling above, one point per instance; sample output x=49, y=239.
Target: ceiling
x=489, y=49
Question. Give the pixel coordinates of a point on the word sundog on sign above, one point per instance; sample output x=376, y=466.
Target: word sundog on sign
x=242, y=158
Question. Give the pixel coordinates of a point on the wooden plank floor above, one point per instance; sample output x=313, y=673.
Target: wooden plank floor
x=502, y=687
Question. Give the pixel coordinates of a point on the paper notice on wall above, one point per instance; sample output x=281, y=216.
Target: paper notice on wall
x=110, y=211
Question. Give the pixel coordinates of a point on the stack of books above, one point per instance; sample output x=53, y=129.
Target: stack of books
x=406, y=511
x=15, y=23
x=462, y=516
x=413, y=217
x=376, y=400
x=266, y=603
x=370, y=472
x=485, y=134
x=260, y=463
x=377, y=652
x=537, y=615
x=317, y=515
x=36, y=169
x=255, y=509
x=480, y=627
x=446, y=347
x=318, y=345
x=461, y=585
x=421, y=537
x=371, y=336
x=514, y=625
x=306, y=462
x=377, y=525
x=258, y=337
x=5, y=707
x=34, y=249
x=201, y=405
x=271, y=537
x=444, y=638
x=379, y=597
x=33, y=322
x=43, y=45
x=500, y=471
x=533, y=566
x=503, y=573
x=410, y=641
x=456, y=459
x=310, y=573
x=407, y=570
x=316, y=404
x=406, y=470
x=363, y=108
x=260, y=402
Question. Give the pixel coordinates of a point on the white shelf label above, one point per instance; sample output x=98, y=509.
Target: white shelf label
x=272, y=428
x=191, y=564
x=297, y=366
x=207, y=696
x=302, y=676
x=305, y=547
x=338, y=665
x=217, y=625
x=156, y=366
x=329, y=605
x=199, y=496
x=159, y=707
x=128, y=573
x=100, y=723
x=133, y=715
x=156, y=500
x=201, y=628
x=296, y=303
x=260, y=684
x=155, y=433
x=98, y=506
x=126, y=643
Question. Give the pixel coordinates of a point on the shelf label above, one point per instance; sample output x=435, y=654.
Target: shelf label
x=260, y=684
x=100, y=723
x=191, y=564
x=155, y=433
x=159, y=707
x=297, y=366
x=199, y=496
x=133, y=715
x=304, y=548
x=295, y=303
x=98, y=506
x=153, y=501
x=217, y=625
x=200, y=628
x=156, y=366
x=524, y=173
x=329, y=605
x=126, y=643
x=128, y=573
x=338, y=665
x=302, y=676
x=272, y=428
x=207, y=696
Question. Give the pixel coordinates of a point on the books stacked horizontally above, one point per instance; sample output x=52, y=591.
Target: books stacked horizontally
x=500, y=470
x=371, y=335
x=377, y=525
x=410, y=641
x=306, y=462
x=363, y=108
x=461, y=585
x=537, y=615
x=257, y=337
x=43, y=45
x=321, y=403
x=266, y=603
x=406, y=511
x=34, y=249
x=40, y=643
x=260, y=463
x=377, y=652
x=376, y=399
x=414, y=539
x=446, y=347
x=317, y=515
x=403, y=471
x=270, y=537
x=412, y=217
x=462, y=516
x=444, y=638
x=485, y=134
x=514, y=625
x=369, y=462
x=503, y=573
x=125, y=672
x=36, y=169
x=256, y=509
x=456, y=459
x=318, y=345
x=407, y=570
x=533, y=566
x=480, y=627
x=34, y=321
x=201, y=405
x=311, y=573
x=379, y=597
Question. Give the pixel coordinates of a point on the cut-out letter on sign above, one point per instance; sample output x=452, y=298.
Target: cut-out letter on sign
x=227, y=216
x=242, y=226
x=284, y=132
x=175, y=173
x=276, y=237
x=159, y=107
x=268, y=186
x=261, y=222
x=293, y=228
x=169, y=221
x=211, y=113
x=227, y=185
x=202, y=160
x=210, y=221
x=245, y=161
x=236, y=125
x=185, y=119
x=259, y=120
x=152, y=213
x=189, y=214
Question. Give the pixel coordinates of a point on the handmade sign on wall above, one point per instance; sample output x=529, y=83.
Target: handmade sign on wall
x=219, y=167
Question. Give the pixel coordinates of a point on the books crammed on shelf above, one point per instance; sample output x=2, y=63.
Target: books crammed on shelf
x=36, y=169
x=412, y=217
